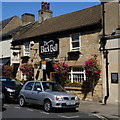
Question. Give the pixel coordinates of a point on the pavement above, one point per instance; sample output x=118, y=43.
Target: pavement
x=105, y=112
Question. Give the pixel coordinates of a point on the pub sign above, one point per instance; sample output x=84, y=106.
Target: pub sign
x=49, y=48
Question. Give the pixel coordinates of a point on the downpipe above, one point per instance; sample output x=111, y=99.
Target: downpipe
x=107, y=80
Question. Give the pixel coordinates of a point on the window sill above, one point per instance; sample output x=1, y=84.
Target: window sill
x=27, y=57
x=73, y=52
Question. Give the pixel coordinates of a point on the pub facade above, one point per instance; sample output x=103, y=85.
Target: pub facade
x=71, y=38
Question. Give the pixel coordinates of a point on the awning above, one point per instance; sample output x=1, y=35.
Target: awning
x=4, y=61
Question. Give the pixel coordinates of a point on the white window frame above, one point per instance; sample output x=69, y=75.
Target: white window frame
x=71, y=75
x=76, y=48
x=26, y=53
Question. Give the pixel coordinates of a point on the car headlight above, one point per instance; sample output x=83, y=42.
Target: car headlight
x=58, y=98
x=76, y=98
x=9, y=89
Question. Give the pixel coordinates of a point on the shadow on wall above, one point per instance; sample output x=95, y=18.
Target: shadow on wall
x=88, y=86
x=37, y=74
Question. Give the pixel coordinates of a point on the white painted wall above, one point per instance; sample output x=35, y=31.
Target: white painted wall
x=113, y=68
x=5, y=48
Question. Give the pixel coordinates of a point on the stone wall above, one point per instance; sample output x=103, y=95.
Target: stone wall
x=96, y=96
x=89, y=49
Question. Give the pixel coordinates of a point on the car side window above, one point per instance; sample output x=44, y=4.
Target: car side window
x=29, y=86
x=37, y=85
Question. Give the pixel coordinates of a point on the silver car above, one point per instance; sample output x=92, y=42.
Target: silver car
x=49, y=94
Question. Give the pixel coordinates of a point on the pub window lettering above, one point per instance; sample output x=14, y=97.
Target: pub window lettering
x=75, y=42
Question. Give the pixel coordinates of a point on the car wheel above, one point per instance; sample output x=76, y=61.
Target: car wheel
x=21, y=102
x=47, y=106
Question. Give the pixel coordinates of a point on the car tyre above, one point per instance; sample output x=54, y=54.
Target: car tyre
x=21, y=102
x=47, y=106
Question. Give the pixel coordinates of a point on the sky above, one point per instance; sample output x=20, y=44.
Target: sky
x=10, y=9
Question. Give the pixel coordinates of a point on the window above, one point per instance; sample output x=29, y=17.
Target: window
x=29, y=86
x=27, y=49
x=37, y=85
x=75, y=42
x=77, y=74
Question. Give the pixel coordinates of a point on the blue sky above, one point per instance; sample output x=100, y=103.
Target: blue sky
x=10, y=9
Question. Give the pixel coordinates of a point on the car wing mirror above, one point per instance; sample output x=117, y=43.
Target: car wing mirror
x=39, y=89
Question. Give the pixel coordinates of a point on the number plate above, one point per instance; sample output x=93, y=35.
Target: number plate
x=70, y=103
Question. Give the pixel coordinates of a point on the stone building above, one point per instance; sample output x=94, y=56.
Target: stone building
x=71, y=38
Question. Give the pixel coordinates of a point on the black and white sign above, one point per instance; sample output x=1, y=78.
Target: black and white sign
x=49, y=48
x=114, y=77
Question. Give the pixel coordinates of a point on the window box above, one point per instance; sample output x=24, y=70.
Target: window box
x=74, y=52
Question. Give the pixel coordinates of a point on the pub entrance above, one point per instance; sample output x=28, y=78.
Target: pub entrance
x=49, y=69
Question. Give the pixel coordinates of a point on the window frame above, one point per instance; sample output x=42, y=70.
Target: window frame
x=75, y=48
x=27, y=84
x=35, y=84
x=24, y=49
x=72, y=72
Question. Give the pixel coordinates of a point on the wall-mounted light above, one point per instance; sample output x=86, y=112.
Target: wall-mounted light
x=113, y=32
x=32, y=43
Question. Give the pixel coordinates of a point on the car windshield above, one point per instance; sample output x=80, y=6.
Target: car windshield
x=51, y=86
x=6, y=81
x=17, y=82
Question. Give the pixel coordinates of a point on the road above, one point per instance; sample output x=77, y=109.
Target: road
x=12, y=110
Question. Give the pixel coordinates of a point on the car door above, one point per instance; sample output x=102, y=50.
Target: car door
x=28, y=92
x=37, y=94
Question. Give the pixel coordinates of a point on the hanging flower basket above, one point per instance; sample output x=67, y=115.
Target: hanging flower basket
x=27, y=69
x=7, y=71
x=62, y=71
x=92, y=72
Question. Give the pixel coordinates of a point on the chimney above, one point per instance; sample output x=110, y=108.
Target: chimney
x=28, y=18
x=45, y=12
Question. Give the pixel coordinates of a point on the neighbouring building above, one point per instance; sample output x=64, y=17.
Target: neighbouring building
x=71, y=38
x=7, y=26
x=9, y=55
x=111, y=51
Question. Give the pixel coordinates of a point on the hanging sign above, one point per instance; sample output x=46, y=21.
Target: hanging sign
x=49, y=48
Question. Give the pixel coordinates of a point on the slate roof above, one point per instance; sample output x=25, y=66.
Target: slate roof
x=5, y=22
x=74, y=20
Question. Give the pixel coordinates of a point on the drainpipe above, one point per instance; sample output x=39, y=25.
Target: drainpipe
x=105, y=53
x=107, y=79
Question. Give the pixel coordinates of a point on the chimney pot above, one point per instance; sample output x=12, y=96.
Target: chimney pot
x=44, y=13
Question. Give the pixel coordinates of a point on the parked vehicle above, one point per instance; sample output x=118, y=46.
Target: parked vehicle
x=17, y=82
x=47, y=93
x=10, y=90
x=1, y=96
